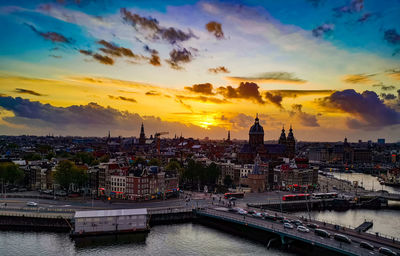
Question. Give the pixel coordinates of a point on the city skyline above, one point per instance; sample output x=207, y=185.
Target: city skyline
x=201, y=68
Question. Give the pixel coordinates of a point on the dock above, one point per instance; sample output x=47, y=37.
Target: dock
x=364, y=226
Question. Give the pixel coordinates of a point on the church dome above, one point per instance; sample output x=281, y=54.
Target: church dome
x=256, y=128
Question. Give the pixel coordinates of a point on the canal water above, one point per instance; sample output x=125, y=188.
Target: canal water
x=367, y=181
x=180, y=239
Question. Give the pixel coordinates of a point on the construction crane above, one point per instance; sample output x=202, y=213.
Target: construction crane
x=157, y=137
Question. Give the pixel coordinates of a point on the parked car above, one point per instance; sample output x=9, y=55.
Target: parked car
x=303, y=229
x=321, y=232
x=32, y=204
x=269, y=217
x=297, y=223
x=288, y=225
x=242, y=212
x=386, y=251
x=342, y=238
x=312, y=225
x=257, y=215
x=366, y=245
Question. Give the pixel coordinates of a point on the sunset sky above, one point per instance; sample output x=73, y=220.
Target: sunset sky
x=331, y=69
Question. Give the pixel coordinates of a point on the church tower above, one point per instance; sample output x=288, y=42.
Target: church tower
x=229, y=136
x=256, y=133
x=290, y=143
x=282, y=138
x=142, y=138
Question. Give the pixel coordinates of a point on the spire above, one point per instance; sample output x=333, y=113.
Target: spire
x=229, y=135
x=142, y=137
x=282, y=138
x=256, y=120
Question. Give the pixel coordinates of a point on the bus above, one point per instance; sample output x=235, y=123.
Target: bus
x=325, y=195
x=235, y=195
x=296, y=197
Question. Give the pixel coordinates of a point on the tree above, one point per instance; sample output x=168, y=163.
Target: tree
x=228, y=180
x=11, y=173
x=84, y=157
x=173, y=166
x=68, y=173
x=212, y=173
x=154, y=162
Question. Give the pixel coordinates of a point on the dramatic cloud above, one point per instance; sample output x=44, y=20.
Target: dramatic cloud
x=116, y=51
x=388, y=96
x=368, y=110
x=202, y=99
x=179, y=56
x=241, y=121
x=155, y=60
x=304, y=118
x=353, y=7
x=394, y=73
x=216, y=29
x=274, y=99
x=25, y=91
x=298, y=93
x=151, y=25
x=220, y=69
x=245, y=90
x=122, y=98
x=321, y=30
x=51, y=36
x=100, y=58
x=153, y=93
x=358, y=79
x=384, y=87
x=269, y=77
x=206, y=88
x=392, y=37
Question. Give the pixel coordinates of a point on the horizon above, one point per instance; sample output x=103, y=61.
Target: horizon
x=201, y=68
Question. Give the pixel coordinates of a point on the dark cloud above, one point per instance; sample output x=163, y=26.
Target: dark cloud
x=385, y=87
x=122, y=98
x=150, y=50
x=51, y=36
x=392, y=37
x=368, y=16
x=368, y=110
x=323, y=29
x=388, y=96
x=352, y=7
x=25, y=91
x=275, y=99
x=298, y=93
x=179, y=56
x=155, y=60
x=304, y=118
x=358, y=79
x=115, y=50
x=202, y=99
x=149, y=24
x=269, y=77
x=220, y=69
x=245, y=90
x=100, y=58
x=216, y=29
x=206, y=88
x=153, y=93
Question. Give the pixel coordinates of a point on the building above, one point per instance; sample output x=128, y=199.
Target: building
x=109, y=221
x=142, y=136
x=295, y=175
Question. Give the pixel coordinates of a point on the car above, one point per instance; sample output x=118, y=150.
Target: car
x=386, y=251
x=297, y=222
x=61, y=193
x=366, y=245
x=321, y=232
x=235, y=209
x=33, y=204
x=286, y=221
x=257, y=215
x=269, y=217
x=341, y=238
x=251, y=212
x=280, y=218
x=312, y=225
x=242, y=212
x=303, y=229
x=288, y=225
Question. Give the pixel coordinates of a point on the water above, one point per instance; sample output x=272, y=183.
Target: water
x=181, y=239
x=367, y=181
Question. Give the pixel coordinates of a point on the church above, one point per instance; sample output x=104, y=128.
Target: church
x=285, y=147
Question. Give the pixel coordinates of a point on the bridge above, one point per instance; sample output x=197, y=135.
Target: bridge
x=288, y=235
x=388, y=196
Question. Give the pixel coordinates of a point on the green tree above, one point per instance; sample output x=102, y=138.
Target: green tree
x=212, y=173
x=139, y=160
x=173, y=166
x=228, y=181
x=68, y=173
x=154, y=162
x=84, y=157
x=11, y=173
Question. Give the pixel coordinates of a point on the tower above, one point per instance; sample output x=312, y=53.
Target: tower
x=290, y=143
x=142, y=138
x=282, y=138
x=229, y=136
x=256, y=133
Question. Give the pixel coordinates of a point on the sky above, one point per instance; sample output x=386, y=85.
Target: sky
x=331, y=69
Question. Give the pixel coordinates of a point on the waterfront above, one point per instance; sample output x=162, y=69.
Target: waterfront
x=181, y=239
x=367, y=181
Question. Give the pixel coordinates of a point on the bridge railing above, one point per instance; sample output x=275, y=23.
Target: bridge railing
x=277, y=228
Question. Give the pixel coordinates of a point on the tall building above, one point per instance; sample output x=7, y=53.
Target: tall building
x=256, y=133
x=142, y=138
x=229, y=136
x=282, y=138
x=290, y=144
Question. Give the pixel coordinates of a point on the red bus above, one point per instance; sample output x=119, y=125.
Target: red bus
x=236, y=195
x=296, y=197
